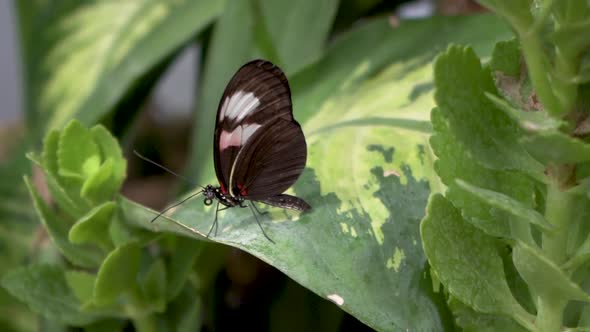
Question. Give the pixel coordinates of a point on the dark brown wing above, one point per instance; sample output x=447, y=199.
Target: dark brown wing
x=256, y=94
x=271, y=162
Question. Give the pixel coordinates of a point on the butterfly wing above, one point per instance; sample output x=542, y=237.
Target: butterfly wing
x=271, y=162
x=256, y=94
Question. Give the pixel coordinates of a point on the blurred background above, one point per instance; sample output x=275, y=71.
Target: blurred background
x=247, y=293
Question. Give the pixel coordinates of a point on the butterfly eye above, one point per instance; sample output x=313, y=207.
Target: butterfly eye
x=208, y=201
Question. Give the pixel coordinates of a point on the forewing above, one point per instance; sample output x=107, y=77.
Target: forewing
x=256, y=94
x=271, y=162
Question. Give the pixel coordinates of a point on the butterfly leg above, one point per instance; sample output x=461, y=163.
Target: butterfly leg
x=259, y=225
x=215, y=224
x=260, y=213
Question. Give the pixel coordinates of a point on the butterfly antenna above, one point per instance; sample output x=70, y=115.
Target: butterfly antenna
x=175, y=205
x=166, y=169
x=259, y=225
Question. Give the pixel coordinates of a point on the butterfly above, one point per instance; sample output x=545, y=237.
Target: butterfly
x=259, y=148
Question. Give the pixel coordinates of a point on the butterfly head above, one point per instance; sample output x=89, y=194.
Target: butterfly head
x=209, y=193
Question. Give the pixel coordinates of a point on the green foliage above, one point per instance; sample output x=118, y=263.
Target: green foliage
x=499, y=160
x=102, y=46
x=510, y=149
x=369, y=207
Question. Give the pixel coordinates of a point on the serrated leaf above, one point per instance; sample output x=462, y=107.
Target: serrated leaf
x=93, y=228
x=484, y=130
x=506, y=58
x=117, y=274
x=154, y=285
x=45, y=289
x=556, y=147
x=507, y=204
x=552, y=283
x=529, y=121
x=77, y=155
x=97, y=186
x=110, y=149
x=82, y=284
x=81, y=255
x=467, y=262
x=454, y=162
x=49, y=155
x=58, y=193
x=65, y=191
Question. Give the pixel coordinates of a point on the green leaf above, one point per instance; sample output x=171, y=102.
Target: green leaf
x=507, y=204
x=49, y=157
x=530, y=121
x=472, y=321
x=84, y=56
x=484, y=130
x=185, y=313
x=65, y=191
x=299, y=29
x=82, y=284
x=97, y=187
x=110, y=149
x=81, y=255
x=122, y=233
x=517, y=12
x=455, y=162
x=117, y=274
x=507, y=58
x=58, y=193
x=553, y=283
x=369, y=208
x=78, y=156
x=45, y=289
x=467, y=262
x=153, y=285
x=19, y=228
x=556, y=147
x=181, y=265
x=94, y=227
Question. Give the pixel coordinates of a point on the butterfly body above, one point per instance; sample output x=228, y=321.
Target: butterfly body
x=222, y=197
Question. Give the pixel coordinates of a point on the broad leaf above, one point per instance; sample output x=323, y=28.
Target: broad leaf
x=365, y=110
x=299, y=29
x=82, y=57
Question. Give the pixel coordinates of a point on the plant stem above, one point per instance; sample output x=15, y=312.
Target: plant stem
x=559, y=207
x=536, y=62
x=558, y=210
x=549, y=315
